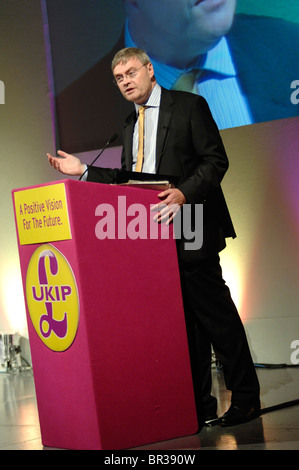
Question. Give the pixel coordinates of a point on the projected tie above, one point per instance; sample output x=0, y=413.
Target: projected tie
x=187, y=82
x=140, y=155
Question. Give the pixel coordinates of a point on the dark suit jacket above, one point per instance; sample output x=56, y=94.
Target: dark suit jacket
x=91, y=109
x=190, y=151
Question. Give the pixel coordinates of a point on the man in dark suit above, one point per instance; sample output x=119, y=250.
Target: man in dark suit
x=261, y=50
x=183, y=141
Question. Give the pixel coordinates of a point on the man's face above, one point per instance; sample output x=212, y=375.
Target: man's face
x=191, y=26
x=135, y=88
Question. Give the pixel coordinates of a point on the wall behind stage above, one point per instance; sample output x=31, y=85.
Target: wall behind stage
x=25, y=137
x=261, y=265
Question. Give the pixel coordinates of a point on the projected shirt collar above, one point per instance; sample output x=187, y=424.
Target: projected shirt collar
x=218, y=61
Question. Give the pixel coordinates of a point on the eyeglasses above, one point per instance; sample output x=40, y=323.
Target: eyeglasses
x=118, y=80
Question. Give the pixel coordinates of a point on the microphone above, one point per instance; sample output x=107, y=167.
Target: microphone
x=110, y=141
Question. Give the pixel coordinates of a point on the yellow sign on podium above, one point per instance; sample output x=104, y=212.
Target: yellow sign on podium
x=42, y=214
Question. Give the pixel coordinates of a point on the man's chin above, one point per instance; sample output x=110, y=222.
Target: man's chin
x=130, y=94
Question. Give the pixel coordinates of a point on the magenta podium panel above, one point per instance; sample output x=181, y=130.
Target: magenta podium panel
x=105, y=317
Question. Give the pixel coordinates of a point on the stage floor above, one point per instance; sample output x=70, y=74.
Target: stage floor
x=276, y=429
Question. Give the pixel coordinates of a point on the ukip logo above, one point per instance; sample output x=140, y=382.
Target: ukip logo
x=52, y=298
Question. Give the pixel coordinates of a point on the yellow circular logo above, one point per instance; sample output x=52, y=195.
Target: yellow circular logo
x=52, y=298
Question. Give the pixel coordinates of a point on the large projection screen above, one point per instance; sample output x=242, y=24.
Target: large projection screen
x=245, y=52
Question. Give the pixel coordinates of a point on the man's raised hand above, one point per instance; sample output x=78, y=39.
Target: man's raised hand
x=66, y=163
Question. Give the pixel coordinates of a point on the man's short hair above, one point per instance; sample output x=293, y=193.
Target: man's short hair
x=128, y=53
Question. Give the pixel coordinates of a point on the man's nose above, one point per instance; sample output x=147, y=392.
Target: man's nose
x=126, y=79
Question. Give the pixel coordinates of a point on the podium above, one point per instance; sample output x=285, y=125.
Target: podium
x=105, y=317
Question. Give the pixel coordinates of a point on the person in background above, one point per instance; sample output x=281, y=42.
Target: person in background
x=243, y=65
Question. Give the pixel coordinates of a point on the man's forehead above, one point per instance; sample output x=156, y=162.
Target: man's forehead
x=126, y=65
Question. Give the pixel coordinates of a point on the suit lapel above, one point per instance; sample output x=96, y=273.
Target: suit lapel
x=165, y=115
x=128, y=140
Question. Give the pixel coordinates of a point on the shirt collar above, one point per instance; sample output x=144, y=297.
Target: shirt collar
x=153, y=100
x=217, y=60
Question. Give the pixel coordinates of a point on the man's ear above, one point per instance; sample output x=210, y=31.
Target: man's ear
x=151, y=69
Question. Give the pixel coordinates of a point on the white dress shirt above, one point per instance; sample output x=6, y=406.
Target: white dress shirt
x=150, y=131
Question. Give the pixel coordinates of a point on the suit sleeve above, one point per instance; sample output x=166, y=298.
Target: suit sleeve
x=208, y=155
x=102, y=175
